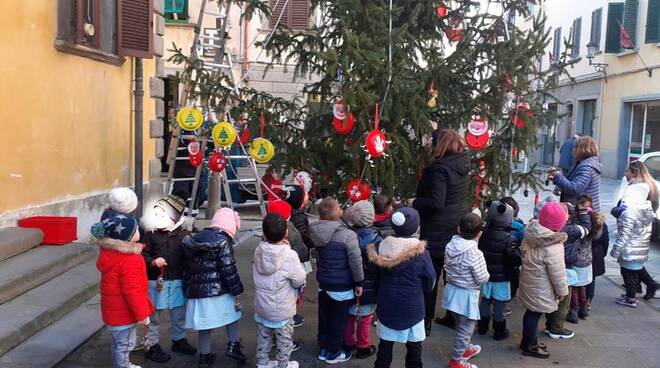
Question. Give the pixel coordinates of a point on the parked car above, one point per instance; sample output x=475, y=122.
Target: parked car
x=652, y=162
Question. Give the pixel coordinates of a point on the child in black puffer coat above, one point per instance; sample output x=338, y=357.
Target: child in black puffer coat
x=361, y=218
x=501, y=250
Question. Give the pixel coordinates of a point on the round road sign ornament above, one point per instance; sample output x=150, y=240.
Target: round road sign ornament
x=224, y=134
x=189, y=118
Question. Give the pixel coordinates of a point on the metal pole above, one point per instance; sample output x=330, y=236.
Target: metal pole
x=138, y=94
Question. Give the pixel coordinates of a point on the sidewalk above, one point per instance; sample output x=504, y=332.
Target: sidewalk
x=614, y=337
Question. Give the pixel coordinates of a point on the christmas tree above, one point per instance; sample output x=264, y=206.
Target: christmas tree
x=491, y=68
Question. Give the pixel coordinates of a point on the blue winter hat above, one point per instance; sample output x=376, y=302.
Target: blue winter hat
x=115, y=225
x=405, y=222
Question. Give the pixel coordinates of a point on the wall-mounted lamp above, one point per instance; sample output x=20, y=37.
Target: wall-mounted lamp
x=592, y=49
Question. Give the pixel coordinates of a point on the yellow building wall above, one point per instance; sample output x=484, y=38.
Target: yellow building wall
x=68, y=120
x=626, y=82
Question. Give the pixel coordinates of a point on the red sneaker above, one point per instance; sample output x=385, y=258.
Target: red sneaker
x=471, y=352
x=460, y=364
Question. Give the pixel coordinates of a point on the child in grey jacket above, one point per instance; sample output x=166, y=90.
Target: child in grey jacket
x=465, y=268
x=277, y=274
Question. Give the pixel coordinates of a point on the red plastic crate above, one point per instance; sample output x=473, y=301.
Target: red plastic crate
x=58, y=230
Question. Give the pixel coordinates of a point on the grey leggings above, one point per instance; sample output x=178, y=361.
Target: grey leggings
x=204, y=337
x=464, y=329
x=498, y=309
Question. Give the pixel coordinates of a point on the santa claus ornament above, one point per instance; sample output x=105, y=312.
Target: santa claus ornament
x=477, y=135
x=376, y=142
x=455, y=31
x=358, y=190
x=193, y=147
x=521, y=114
x=342, y=120
x=304, y=180
x=217, y=162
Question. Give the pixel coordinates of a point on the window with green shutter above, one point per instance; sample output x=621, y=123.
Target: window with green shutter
x=653, y=22
x=556, y=46
x=630, y=12
x=575, y=38
x=596, y=25
x=613, y=35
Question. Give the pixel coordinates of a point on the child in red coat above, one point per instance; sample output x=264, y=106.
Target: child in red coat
x=124, y=286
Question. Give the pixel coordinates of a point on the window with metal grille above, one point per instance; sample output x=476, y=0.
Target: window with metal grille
x=294, y=16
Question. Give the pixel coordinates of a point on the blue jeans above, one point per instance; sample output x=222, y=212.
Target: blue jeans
x=123, y=341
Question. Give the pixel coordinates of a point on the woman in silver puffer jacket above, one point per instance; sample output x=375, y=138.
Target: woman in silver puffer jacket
x=634, y=227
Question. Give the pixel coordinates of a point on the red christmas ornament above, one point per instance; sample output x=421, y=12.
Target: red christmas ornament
x=518, y=119
x=245, y=136
x=193, y=147
x=442, y=11
x=514, y=152
x=196, y=159
x=475, y=142
x=358, y=190
x=376, y=141
x=217, y=162
x=276, y=190
x=454, y=34
x=345, y=125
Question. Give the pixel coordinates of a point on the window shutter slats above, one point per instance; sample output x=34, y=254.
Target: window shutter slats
x=612, y=35
x=630, y=19
x=299, y=14
x=653, y=22
x=556, y=46
x=135, y=28
x=596, y=25
x=276, y=8
x=577, y=31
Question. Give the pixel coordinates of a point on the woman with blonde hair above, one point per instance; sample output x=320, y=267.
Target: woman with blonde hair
x=441, y=201
x=584, y=177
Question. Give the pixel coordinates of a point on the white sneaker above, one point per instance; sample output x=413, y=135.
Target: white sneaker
x=131, y=365
x=271, y=364
x=293, y=364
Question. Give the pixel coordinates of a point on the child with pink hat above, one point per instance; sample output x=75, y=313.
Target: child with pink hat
x=213, y=286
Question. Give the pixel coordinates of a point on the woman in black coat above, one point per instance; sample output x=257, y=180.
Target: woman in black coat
x=441, y=201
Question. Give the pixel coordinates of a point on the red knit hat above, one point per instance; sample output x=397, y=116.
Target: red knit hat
x=553, y=216
x=281, y=208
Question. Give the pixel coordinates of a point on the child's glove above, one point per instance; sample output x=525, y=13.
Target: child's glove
x=237, y=304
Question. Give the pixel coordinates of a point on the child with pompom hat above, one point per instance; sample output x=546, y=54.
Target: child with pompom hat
x=213, y=286
x=124, y=288
x=543, y=275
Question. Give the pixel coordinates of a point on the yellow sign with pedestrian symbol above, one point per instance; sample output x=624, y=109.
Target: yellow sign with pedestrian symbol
x=189, y=118
x=224, y=134
x=262, y=150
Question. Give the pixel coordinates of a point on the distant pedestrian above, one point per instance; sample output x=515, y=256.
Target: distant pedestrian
x=405, y=274
x=566, y=154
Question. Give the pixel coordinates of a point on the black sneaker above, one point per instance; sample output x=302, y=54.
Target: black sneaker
x=206, y=360
x=298, y=320
x=234, y=351
x=535, y=351
x=182, y=346
x=366, y=352
x=650, y=291
x=156, y=354
x=560, y=334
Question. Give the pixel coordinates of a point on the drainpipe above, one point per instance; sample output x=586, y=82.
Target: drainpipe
x=138, y=94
